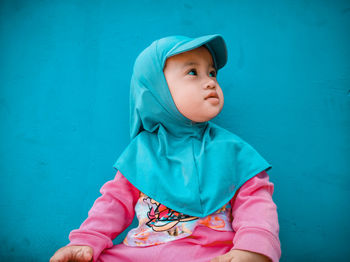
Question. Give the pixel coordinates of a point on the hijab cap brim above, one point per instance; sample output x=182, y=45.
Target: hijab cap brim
x=215, y=44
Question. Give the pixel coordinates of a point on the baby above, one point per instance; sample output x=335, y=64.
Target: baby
x=200, y=192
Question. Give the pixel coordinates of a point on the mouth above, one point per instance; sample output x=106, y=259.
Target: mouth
x=212, y=95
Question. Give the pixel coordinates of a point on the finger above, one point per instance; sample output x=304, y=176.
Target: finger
x=61, y=255
x=73, y=253
x=218, y=259
x=88, y=254
x=223, y=258
x=82, y=254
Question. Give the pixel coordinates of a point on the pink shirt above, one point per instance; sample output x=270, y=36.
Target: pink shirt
x=254, y=226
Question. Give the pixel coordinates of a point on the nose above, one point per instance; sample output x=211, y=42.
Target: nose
x=210, y=84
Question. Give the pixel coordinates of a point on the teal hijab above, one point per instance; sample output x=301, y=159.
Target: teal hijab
x=192, y=168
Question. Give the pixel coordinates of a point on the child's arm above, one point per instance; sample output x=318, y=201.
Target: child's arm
x=255, y=222
x=110, y=215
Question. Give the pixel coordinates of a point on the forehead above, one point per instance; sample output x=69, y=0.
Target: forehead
x=192, y=57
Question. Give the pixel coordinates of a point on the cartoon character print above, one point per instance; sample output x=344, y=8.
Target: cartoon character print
x=159, y=224
x=162, y=218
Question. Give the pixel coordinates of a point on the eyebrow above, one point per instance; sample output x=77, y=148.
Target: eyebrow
x=190, y=63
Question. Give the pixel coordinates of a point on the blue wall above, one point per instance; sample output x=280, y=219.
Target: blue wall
x=65, y=71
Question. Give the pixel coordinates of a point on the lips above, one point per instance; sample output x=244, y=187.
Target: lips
x=212, y=95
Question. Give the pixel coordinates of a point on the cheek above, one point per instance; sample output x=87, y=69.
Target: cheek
x=223, y=98
x=221, y=95
x=187, y=102
x=185, y=95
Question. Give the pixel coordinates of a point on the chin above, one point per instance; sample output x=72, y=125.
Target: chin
x=200, y=118
x=213, y=115
x=207, y=117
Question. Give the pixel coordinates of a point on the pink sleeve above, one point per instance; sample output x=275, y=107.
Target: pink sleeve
x=255, y=218
x=110, y=215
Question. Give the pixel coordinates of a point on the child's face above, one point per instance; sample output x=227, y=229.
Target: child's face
x=191, y=78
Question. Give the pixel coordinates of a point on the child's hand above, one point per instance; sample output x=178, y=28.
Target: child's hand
x=241, y=256
x=73, y=254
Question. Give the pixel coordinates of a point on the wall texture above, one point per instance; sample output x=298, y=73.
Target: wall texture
x=65, y=68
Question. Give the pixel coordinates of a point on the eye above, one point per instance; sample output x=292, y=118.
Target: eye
x=193, y=72
x=212, y=73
